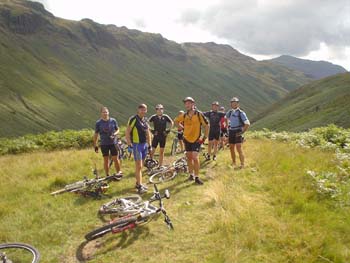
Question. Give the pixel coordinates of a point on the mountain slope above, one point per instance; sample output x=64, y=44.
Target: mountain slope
x=316, y=104
x=312, y=69
x=56, y=74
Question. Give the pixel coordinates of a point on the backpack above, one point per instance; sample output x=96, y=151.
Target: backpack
x=239, y=116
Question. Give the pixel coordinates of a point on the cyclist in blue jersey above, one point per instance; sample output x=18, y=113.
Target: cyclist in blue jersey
x=107, y=128
x=237, y=123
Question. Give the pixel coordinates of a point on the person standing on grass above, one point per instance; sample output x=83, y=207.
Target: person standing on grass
x=214, y=116
x=107, y=128
x=180, y=132
x=160, y=131
x=223, y=129
x=193, y=120
x=138, y=138
x=237, y=123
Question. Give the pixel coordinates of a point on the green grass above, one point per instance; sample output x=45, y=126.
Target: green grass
x=316, y=104
x=58, y=77
x=268, y=212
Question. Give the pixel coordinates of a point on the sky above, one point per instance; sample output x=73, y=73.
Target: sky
x=263, y=29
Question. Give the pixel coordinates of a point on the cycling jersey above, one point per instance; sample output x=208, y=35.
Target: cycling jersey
x=214, y=118
x=192, y=125
x=159, y=123
x=106, y=129
x=139, y=129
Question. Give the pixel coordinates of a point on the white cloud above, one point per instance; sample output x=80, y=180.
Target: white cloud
x=261, y=28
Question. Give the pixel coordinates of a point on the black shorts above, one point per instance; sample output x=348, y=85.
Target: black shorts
x=192, y=147
x=235, y=137
x=223, y=132
x=158, y=139
x=180, y=136
x=214, y=134
x=106, y=149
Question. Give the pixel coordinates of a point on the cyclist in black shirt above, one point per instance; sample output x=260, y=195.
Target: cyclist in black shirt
x=214, y=116
x=160, y=131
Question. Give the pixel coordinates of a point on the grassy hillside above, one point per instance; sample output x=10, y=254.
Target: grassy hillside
x=312, y=69
x=317, y=104
x=55, y=73
x=268, y=212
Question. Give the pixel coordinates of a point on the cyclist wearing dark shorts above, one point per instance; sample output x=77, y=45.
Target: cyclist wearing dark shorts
x=107, y=128
x=138, y=138
x=180, y=132
x=160, y=131
x=192, y=121
x=238, y=123
x=223, y=129
x=214, y=117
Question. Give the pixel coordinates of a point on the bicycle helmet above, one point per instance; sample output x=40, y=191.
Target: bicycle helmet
x=234, y=99
x=188, y=99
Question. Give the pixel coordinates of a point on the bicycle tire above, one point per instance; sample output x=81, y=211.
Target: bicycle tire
x=101, y=231
x=70, y=187
x=31, y=249
x=114, y=207
x=162, y=177
x=173, y=148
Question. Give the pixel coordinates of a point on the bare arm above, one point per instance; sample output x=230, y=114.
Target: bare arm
x=95, y=139
x=127, y=135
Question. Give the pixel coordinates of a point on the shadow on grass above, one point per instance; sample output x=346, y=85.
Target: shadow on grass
x=89, y=250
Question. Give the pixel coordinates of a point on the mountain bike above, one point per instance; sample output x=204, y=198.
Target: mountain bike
x=18, y=252
x=94, y=187
x=175, y=144
x=167, y=173
x=140, y=214
x=122, y=149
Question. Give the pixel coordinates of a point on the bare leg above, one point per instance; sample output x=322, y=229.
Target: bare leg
x=189, y=162
x=116, y=163
x=196, y=164
x=210, y=144
x=138, y=171
x=161, y=156
x=106, y=164
x=233, y=155
x=240, y=152
x=215, y=142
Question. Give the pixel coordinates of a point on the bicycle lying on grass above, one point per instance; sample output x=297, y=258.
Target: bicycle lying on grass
x=169, y=172
x=19, y=251
x=94, y=187
x=133, y=213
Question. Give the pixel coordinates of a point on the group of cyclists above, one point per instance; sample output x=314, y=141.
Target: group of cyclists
x=193, y=127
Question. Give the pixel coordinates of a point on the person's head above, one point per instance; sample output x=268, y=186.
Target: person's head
x=234, y=103
x=159, y=109
x=104, y=113
x=215, y=106
x=181, y=112
x=222, y=109
x=142, y=110
x=189, y=103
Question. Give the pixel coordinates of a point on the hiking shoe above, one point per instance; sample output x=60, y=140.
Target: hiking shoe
x=214, y=158
x=198, y=181
x=190, y=178
x=141, y=189
x=207, y=157
x=117, y=176
x=138, y=185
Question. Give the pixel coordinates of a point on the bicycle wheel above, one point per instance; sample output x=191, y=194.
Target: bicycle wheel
x=116, y=226
x=173, y=147
x=70, y=187
x=162, y=177
x=35, y=255
x=120, y=208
